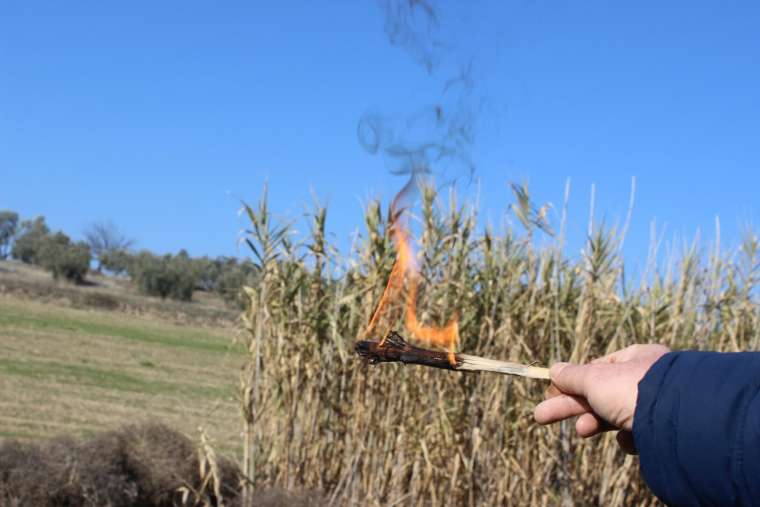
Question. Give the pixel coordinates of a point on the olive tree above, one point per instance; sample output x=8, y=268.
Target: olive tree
x=164, y=276
x=27, y=245
x=64, y=258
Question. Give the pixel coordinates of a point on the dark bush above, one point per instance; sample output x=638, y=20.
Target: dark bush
x=59, y=255
x=100, y=300
x=177, y=276
x=138, y=465
x=166, y=277
x=207, y=272
x=229, y=284
x=29, y=240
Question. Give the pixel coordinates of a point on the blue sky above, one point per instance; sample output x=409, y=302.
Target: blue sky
x=159, y=115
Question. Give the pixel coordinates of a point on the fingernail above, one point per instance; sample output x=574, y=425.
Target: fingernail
x=556, y=368
x=537, y=416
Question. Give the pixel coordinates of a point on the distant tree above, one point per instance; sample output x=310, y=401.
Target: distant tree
x=166, y=277
x=29, y=240
x=8, y=227
x=138, y=260
x=233, y=275
x=208, y=271
x=117, y=262
x=105, y=238
x=64, y=258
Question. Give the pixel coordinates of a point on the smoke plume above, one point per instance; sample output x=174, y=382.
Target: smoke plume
x=435, y=140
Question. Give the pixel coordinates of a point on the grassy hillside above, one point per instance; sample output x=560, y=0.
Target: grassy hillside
x=81, y=359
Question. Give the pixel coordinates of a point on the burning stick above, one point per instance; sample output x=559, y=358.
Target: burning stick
x=395, y=349
x=405, y=275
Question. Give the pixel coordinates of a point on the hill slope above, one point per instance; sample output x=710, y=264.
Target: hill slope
x=67, y=367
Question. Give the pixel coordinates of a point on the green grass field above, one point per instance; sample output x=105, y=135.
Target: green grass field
x=77, y=371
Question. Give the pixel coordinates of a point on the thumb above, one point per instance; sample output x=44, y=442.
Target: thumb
x=570, y=378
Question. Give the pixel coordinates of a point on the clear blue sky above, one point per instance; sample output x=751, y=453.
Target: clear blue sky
x=156, y=115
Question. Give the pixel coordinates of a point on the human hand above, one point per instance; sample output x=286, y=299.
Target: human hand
x=602, y=393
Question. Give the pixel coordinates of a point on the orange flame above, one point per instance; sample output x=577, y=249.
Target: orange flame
x=405, y=267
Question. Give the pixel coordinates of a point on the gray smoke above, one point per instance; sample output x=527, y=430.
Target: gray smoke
x=413, y=25
x=435, y=139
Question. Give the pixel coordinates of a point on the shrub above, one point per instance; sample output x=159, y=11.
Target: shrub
x=232, y=278
x=137, y=465
x=166, y=277
x=207, y=272
x=63, y=258
x=96, y=299
x=29, y=241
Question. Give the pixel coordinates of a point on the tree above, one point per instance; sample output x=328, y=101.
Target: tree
x=208, y=272
x=117, y=262
x=63, y=258
x=166, y=277
x=105, y=238
x=27, y=245
x=233, y=275
x=8, y=227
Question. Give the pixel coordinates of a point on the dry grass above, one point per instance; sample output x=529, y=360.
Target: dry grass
x=149, y=465
x=74, y=371
x=393, y=435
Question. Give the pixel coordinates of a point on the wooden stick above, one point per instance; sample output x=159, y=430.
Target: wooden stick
x=395, y=349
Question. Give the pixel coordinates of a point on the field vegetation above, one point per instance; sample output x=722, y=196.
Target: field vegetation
x=77, y=360
x=392, y=435
x=109, y=397
x=81, y=359
x=171, y=276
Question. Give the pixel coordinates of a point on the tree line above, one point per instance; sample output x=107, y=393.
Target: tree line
x=174, y=276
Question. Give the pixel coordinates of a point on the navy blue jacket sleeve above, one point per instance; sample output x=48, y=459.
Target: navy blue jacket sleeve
x=697, y=428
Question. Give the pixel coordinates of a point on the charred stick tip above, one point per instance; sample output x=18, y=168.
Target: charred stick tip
x=395, y=349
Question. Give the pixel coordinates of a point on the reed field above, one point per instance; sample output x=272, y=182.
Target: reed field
x=318, y=418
